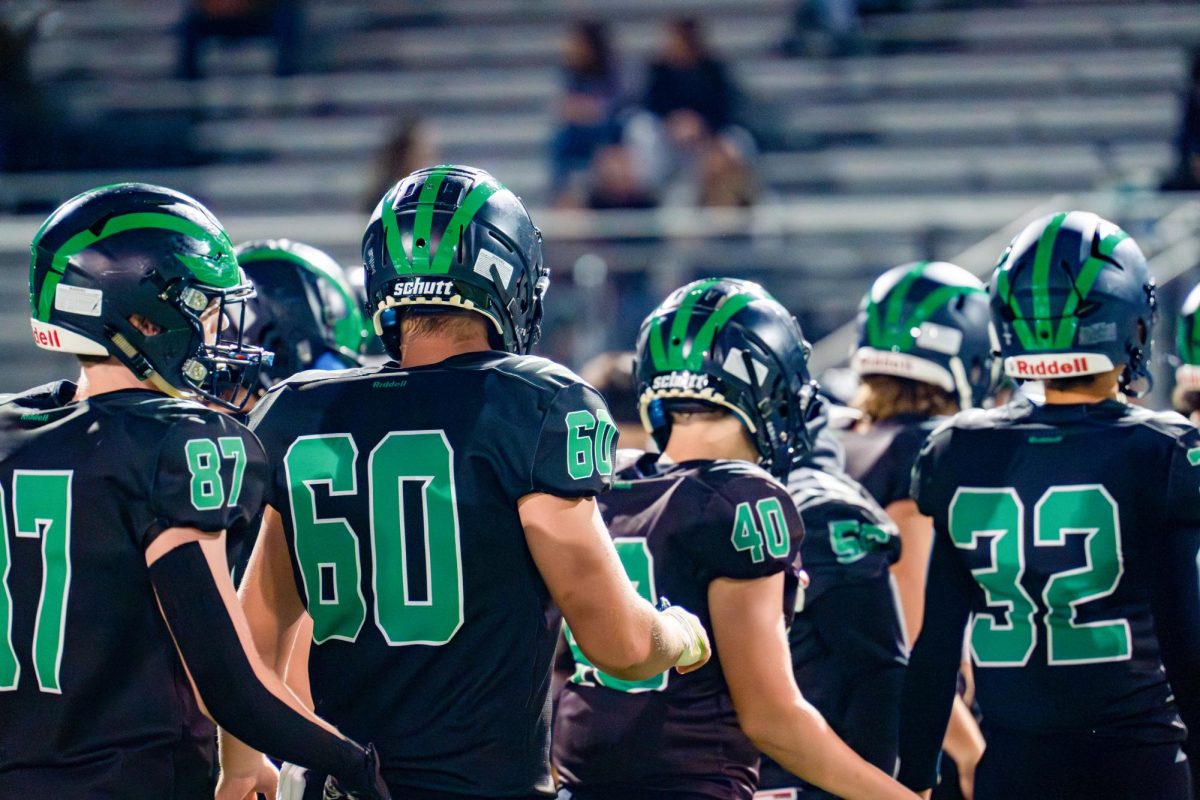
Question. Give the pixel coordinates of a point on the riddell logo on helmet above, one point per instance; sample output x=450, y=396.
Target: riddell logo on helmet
x=877, y=360
x=47, y=337
x=420, y=288
x=1042, y=369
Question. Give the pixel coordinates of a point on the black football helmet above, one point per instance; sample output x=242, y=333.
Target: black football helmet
x=928, y=321
x=726, y=343
x=452, y=237
x=135, y=249
x=1072, y=295
x=304, y=309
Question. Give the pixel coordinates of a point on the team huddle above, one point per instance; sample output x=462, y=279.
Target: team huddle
x=451, y=583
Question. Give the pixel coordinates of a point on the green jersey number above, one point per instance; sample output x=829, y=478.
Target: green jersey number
x=765, y=524
x=41, y=510
x=589, y=443
x=204, y=462
x=999, y=516
x=852, y=540
x=639, y=566
x=418, y=589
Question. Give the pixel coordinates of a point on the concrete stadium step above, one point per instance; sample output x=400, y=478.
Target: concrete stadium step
x=1111, y=73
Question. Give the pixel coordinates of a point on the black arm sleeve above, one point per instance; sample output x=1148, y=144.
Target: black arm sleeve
x=233, y=693
x=932, y=677
x=1175, y=601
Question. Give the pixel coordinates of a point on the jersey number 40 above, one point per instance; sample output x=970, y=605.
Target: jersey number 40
x=997, y=516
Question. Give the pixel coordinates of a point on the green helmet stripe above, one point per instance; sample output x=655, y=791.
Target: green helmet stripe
x=1020, y=326
x=658, y=353
x=704, y=339
x=895, y=304
x=1188, y=343
x=462, y=217
x=391, y=231
x=220, y=271
x=932, y=302
x=423, y=224
x=1042, y=313
x=1083, y=284
x=683, y=316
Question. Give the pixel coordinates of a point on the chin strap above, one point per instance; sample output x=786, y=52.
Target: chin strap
x=142, y=368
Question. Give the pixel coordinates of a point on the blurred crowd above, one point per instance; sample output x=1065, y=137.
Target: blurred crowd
x=674, y=139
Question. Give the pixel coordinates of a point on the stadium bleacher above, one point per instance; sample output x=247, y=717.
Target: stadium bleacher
x=950, y=125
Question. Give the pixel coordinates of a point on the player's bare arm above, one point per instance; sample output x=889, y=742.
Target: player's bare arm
x=273, y=613
x=618, y=631
x=916, y=536
x=749, y=632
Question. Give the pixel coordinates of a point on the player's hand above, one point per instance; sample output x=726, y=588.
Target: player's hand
x=265, y=781
x=697, y=650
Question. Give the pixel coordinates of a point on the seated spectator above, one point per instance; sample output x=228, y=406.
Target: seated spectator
x=1186, y=176
x=616, y=182
x=587, y=108
x=727, y=179
x=278, y=20
x=687, y=77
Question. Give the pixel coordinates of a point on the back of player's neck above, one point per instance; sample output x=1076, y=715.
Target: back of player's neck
x=420, y=351
x=98, y=379
x=709, y=441
x=1054, y=397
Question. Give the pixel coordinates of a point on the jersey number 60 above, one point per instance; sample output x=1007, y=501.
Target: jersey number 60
x=418, y=603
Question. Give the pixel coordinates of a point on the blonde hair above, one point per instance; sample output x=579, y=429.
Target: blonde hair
x=882, y=397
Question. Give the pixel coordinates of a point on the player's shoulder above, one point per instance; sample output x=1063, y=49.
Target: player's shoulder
x=821, y=494
x=47, y=395
x=161, y=416
x=736, y=481
x=311, y=379
x=533, y=372
x=1169, y=424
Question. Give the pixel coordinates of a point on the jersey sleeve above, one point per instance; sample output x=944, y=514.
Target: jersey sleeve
x=751, y=530
x=267, y=422
x=209, y=475
x=1183, y=483
x=576, y=446
x=927, y=489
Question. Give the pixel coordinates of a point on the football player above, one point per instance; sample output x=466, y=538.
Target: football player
x=924, y=352
x=428, y=514
x=1065, y=542
x=848, y=649
x=116, y=599
x=724, y=390
x=1186, y=397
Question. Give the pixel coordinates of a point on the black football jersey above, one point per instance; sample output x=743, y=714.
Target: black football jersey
x=94, y=700
x=433, y=631
x=1044, y=514
x=882, y=457
x=677, y=528
x=848, y=538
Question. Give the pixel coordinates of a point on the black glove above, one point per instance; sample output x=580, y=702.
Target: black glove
x=365, y=785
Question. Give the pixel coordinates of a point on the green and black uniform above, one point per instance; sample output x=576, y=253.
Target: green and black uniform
x=94, y=700
x=433, y=630
x=1068, y=554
